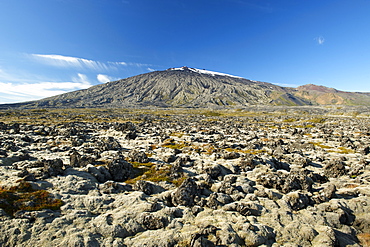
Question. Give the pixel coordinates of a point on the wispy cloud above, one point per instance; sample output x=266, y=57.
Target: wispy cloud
x=104, y=78
x=18, y=76
x=131, y=64
x=320, y=40
x=66, y=61
x=21, y=85
x=119, y=63
x=81, y=78
x=150, y=69
x=14, y=92
x=287, y=85
x=83, y=63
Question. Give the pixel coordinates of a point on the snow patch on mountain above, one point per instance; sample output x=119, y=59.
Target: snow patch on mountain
x=203, y=71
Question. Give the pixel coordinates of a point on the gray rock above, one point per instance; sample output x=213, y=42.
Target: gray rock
x=78, y=160
x=120, y=169
x=107, y=226
x=200, y=239
x=299, y=233
x=295, y=180
x=185, y=194
x=168, y=158
x=213, y=202
x=176, y=170
x=335, y=168
x=152, y=222
x=101, y=173
x=108, y=143
x=364, y=150
x=329, y=191
x=111, y=187
x=286, y=200
x=257, y=235
x=230, y=155
x=228, y=237
x=53, y=167
x=138, y=156
x=244, y=208
x=228, y=185
x=147, y=187
x=43, y=216
x=127, y=126
x=296, y=200
x=213, y=171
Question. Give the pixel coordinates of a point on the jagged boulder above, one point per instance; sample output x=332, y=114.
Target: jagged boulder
x=200, y=239
x=101, y=173
x=297, y=201
x=107, y=143
x=138, y=156
x=147, y=187
x=185, y=194
x=295, y=180
x=152, y=221
x=335, y=168
x=78, y=160
x=120, y=169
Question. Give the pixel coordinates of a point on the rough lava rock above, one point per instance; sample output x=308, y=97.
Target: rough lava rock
x=255, y=176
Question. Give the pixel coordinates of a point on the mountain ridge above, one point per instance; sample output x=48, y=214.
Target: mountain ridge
x=194, y=88
x=330, y=96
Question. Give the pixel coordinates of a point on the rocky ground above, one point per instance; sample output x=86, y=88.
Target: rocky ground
x=210, y=179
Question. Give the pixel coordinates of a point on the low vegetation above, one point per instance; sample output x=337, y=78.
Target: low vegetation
x=184, y=177
x=150, y=172
x=24, y=197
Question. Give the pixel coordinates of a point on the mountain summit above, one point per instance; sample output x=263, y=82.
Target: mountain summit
x=203, y=71
x=190, y=87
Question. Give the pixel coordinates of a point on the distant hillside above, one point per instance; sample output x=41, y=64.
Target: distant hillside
x=330, y=96
x=188, y=87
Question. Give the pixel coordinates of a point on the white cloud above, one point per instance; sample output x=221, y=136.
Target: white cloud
x=12, y=92
x=103, y=78
x=150, y=69
x=38, y=90
x=66, y=61
x=119, y=63
x=287, y=85
x=82, y=63
x=139, y=64
x=17, y=76
x=81, y=78
x=131, y=64
x=320, y=40
x=18, y=85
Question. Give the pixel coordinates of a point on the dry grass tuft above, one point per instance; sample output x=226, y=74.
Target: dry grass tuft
x=364, y=239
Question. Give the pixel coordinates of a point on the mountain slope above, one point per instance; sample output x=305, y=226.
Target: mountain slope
x=330, y=96
x=188, y=87
x=182, y=87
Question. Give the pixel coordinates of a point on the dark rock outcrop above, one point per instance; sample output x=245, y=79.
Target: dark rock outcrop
x=186, y=193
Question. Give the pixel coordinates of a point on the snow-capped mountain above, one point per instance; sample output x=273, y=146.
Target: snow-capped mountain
x=189, y=87
x=203, y=71
x=178, y=87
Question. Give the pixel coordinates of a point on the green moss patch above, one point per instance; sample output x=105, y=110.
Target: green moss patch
x=149, y=172
x=24, y=197
x=170, y=143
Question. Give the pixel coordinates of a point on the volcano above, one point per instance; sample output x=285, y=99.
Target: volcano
x=192, y=88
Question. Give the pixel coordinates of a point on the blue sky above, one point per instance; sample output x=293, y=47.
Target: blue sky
x=49, y=47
